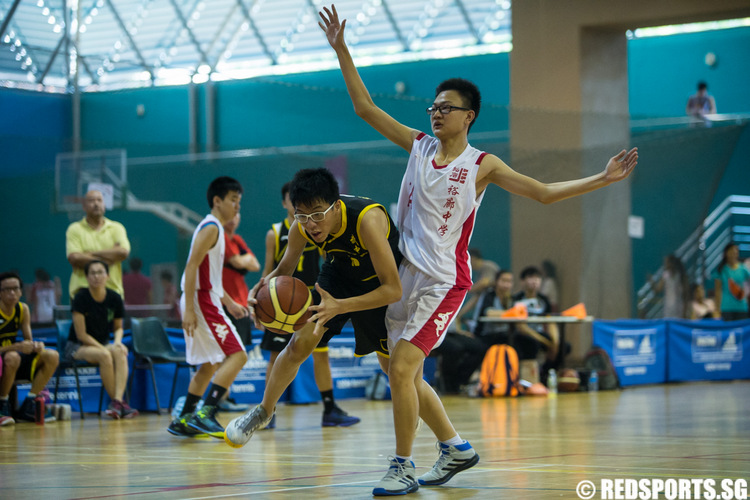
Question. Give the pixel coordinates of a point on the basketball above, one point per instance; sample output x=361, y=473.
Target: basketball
x=282, y=305
x=569, y=380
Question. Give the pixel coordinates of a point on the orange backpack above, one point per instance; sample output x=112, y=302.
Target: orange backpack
x=500, y=375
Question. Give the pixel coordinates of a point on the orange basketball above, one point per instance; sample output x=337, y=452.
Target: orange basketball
x=569, y=380
x=282, y=305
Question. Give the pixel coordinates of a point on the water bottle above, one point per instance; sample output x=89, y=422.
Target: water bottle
x=39, y=410
x=552, y=381
x=594, y=381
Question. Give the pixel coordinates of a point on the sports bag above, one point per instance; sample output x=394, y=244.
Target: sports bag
x=499, y=375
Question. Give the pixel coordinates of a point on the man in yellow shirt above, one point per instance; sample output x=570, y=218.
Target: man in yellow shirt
x=96, y=238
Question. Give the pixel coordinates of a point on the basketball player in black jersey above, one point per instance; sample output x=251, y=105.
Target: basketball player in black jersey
x=357, y=281
x=307, y=270
x=22, y=359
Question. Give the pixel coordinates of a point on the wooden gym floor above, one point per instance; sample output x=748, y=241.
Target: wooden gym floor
x=531, y=448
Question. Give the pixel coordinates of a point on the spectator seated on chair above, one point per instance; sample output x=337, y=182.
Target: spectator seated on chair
x=24, y=359
x=529, y=339
x=97, y=311
x=68, y=363
x=494, y=301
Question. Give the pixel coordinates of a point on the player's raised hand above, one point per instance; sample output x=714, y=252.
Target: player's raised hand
x=330, y=25
x=620, y=166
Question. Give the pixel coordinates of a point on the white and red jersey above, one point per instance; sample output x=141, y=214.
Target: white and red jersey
x=437, y=206
x=210, y=269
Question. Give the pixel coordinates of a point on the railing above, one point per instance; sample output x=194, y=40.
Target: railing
x=702, y=251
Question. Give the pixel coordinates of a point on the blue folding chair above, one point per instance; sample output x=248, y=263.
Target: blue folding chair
x=151, y=346
x=63, y=330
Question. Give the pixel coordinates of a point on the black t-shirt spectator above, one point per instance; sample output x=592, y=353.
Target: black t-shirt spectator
x=99, y=315
x=497, y=331
x=537, y=306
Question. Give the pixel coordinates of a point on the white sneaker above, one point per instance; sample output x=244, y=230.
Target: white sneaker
x=399, y=480
x=241, y=429
x=451, y=461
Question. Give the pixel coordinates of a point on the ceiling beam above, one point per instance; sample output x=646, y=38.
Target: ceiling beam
x=94, y=76
x=191, y=35
x=133, y=45
x=43, y=75
x=467, y=20
x=8, y=17
x=394, y=25
x=256, y=32
x=220, y=31
x=231, y=37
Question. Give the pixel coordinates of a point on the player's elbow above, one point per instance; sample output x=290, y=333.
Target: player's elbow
x=366, y=111
x=545, y=196
x=394, y=292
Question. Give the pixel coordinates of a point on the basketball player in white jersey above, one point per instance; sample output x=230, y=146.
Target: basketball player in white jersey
x=442, y=188
x=211, y=340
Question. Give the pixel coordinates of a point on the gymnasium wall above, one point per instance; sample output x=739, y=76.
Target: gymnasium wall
x=664, y=71
x=34, y=127
x=690, y=165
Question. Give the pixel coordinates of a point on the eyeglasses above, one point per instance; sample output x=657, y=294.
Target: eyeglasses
x=11, y=289
x=315, y=216
x=444, y=109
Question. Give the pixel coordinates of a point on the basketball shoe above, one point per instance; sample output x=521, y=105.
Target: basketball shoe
x=204, y=420
x=338, y=418
x=399, y=480
x=126, y=411
x=113, y=410
x=27, y=411
x=241, y=429
x=5, y=418
x=451, y=461
x=179, y=427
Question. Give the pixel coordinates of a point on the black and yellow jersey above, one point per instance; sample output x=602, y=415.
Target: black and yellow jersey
x=308, y=266
x=10, y=325
x=345, y=250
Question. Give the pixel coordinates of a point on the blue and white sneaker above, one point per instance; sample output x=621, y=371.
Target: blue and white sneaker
x=399, y=480
x=451, y=461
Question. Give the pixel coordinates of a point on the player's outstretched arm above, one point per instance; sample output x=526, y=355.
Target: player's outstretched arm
x=399, y=134
x=495, y=171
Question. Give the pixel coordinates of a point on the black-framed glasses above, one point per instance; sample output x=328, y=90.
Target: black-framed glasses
x=315, y=216
x=444, y=109
x=16, y=289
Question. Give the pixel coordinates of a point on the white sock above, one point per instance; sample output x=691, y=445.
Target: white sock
x=454, y=441
x=404, y=459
